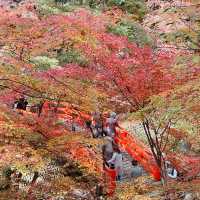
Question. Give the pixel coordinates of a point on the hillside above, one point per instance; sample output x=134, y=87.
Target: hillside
x=73, y=59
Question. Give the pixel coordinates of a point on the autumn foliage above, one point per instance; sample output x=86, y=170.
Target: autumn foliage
x=115, y=72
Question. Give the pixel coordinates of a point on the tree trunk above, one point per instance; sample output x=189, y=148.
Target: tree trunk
x=156, y=150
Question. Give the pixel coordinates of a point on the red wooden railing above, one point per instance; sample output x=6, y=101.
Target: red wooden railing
x=138, y=151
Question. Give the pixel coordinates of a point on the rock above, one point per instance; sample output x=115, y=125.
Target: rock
x=40, y=180
x=184, y=146
x=155, y=194
x=141, y=197
x=29, y=15
x=80, y=194
x=188, y=196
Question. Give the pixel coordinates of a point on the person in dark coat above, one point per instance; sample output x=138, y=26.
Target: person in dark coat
x=21, y=104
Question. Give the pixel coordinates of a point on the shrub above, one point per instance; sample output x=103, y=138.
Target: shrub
x=7, y=171
x=47, y=7
x=51, y=7
x=44, y=63
x=136, y=7
x=196, y=59
x=72, y=56
x=61, y=1
x=35, y=139
x=60, y=122
x=133, y=31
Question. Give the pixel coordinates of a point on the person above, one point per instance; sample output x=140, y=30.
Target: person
x=107, y=151
x=40, y=107
x=88, y=124
x=73, y=122
x=97, y=125
x=105, y=115
x=103, y=128
x=21, y=104
x=111, y=124
x=136, y=171
x=99, y=191
x=117, y=162
x=170, y=170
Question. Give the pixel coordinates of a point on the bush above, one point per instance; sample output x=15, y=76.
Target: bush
x=133, y=31
x=72, y=56
x=60, y=122
x=136, y=7
x=51, y=7
x=44, y=63
x=61, y=1
x=196, y=59
x=35, y=139
x=7, y=171
x=47, y=7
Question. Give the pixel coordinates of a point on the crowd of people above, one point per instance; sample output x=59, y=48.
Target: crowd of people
x=103, y=124
x=113, y=159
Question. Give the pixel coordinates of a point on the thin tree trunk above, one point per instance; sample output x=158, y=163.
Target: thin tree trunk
x=156, y=150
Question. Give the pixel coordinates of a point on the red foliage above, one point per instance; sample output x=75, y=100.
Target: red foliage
x=123, y=68
x=178, y=134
